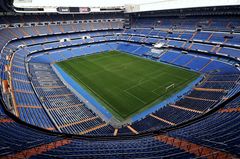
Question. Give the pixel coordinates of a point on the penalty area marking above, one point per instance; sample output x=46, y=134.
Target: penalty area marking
x=135, y=97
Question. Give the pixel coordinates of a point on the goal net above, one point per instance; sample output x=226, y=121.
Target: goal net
x=171, y=86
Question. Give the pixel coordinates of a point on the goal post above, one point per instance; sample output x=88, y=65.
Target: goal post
x=169, y=87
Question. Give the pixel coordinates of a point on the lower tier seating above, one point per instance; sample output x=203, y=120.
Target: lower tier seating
x=202, y=98
x=147, y=147
x=219, y=130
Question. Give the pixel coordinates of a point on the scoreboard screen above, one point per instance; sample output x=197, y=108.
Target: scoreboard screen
x=73, y=9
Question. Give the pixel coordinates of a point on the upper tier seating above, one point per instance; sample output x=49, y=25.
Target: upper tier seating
x=210, y=23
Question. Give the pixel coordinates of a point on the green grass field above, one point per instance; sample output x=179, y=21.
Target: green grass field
x=126, y=84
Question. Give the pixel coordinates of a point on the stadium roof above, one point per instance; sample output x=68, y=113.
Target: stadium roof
x=80, y=3
x=123, y=5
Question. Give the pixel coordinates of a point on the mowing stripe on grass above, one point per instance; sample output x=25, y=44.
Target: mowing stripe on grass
x=126, y=84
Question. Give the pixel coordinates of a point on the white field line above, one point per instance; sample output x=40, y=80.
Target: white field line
x=140, y=82
x=104, y=69
x=94, y=73
x=103, y=57
x=157, y=89
x=99, y=96
x=135, y=97
x=179, y=77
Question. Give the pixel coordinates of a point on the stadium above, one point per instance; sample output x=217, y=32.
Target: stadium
x=148, y=79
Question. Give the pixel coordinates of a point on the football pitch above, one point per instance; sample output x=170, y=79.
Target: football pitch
x=126, y=84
